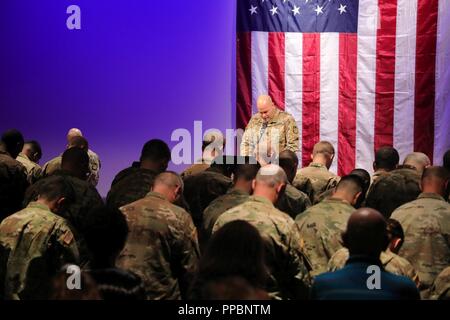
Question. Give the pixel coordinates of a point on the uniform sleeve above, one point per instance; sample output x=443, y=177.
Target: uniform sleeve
x=292, y=137
x=65, y=250
x=297, y=268
x=247, y=147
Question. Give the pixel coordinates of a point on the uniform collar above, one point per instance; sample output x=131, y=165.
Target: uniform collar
x=23, y=155
x=237, y=191
x=317, y=165
x=261, y=200
x=156, y=195
x=425, y=195
x=35, y=204
x=336, y=200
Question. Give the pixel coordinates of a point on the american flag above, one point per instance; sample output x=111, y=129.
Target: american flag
x=360, y=74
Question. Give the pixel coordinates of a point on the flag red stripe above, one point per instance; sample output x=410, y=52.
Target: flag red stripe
x=243, y=78
x=311, y=95
x=427, y=18
x=276, y=68
x=385, y=74
x=348, y=50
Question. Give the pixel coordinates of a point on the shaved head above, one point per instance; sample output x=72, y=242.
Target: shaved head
x=168, y=179
x=323, y=152
x=418, y=160
x=366, y=233
x=266, y=107
x=74, y=132
x=435, y=180
x=271, y=175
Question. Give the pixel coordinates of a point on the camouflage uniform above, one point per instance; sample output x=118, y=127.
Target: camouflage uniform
x=293, y=201
x=94, y=167
x=320, y=231
x=320, y=178
x=391, y=262
x=162, y=246
x=195, y=168
x=32, y=168
x=281, y=129
x=51, y=166
x=218, y=206
x=13, y=183
x=130, y=185
x=441, y=286
x=86, y=198
x=426, y=223
x=288, y=267
x=34, y=244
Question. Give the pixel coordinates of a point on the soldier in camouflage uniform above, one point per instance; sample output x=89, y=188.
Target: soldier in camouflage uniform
x=35, y=243
x=133, y=183
x=321, y=225
x=418, y=161
x=269, y=132
x=386, y=160
x=243, y=176
x=317, y=173
x=292, y=201
x=441, y=286
x=75, y=170
x=288, y=269
x=389, y=258
x=13, y=177
x=162, y=246
x=426, y=222
x=212, y=147
x=29, y=157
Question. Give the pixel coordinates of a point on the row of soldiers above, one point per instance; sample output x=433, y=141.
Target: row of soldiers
x=156, y=224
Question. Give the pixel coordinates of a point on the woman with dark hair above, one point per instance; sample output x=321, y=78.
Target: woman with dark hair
x=235, y=252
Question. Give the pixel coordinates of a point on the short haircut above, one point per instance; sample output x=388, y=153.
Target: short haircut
x=391, y=191
x=13, y=140
x=435, y=172
x=105, y=231
x=155, y=150
x=323, y=147
x=170, y=179
x=417, y=158
x=387, y=158
x=351, y=184
x=246, y=170
x=79, y=142
x=395, y=229
x=35, y=147
x=288, y=159
x=271, y=175
x=74, y=157
x=56, y=187
x=446, y=163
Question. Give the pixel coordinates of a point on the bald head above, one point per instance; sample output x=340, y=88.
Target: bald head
x=435, y=180
x=418, y=160
x=74, y=132
x=169, y=184
x=266, y=107
x=366, y=233
x=270, y=182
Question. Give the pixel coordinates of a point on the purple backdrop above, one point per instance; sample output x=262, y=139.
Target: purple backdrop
x=137, y=69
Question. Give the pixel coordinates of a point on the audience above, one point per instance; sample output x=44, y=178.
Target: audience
x=144, y=243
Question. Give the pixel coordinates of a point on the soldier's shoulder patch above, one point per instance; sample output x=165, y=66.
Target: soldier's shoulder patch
x=67, y=237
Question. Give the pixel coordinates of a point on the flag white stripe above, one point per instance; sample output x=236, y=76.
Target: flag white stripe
x=365, y=83
x=260, y=66
x=442, y=101
x=329, y=91
x=405, y=68
x=294, y=79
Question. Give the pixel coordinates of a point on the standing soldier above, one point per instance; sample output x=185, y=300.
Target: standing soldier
x=288, y=268
x=317, y=173
x=269, y=132
x=29, y=157
x=36, y=242
x=426, y=222
x=162, y=246
x=321, y=225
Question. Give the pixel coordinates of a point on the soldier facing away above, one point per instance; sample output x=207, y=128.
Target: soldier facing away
x=426, y=222
x=321, y=225
x=29, y=157
x=36, y=242
x=162, y=246
x=288, y=268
